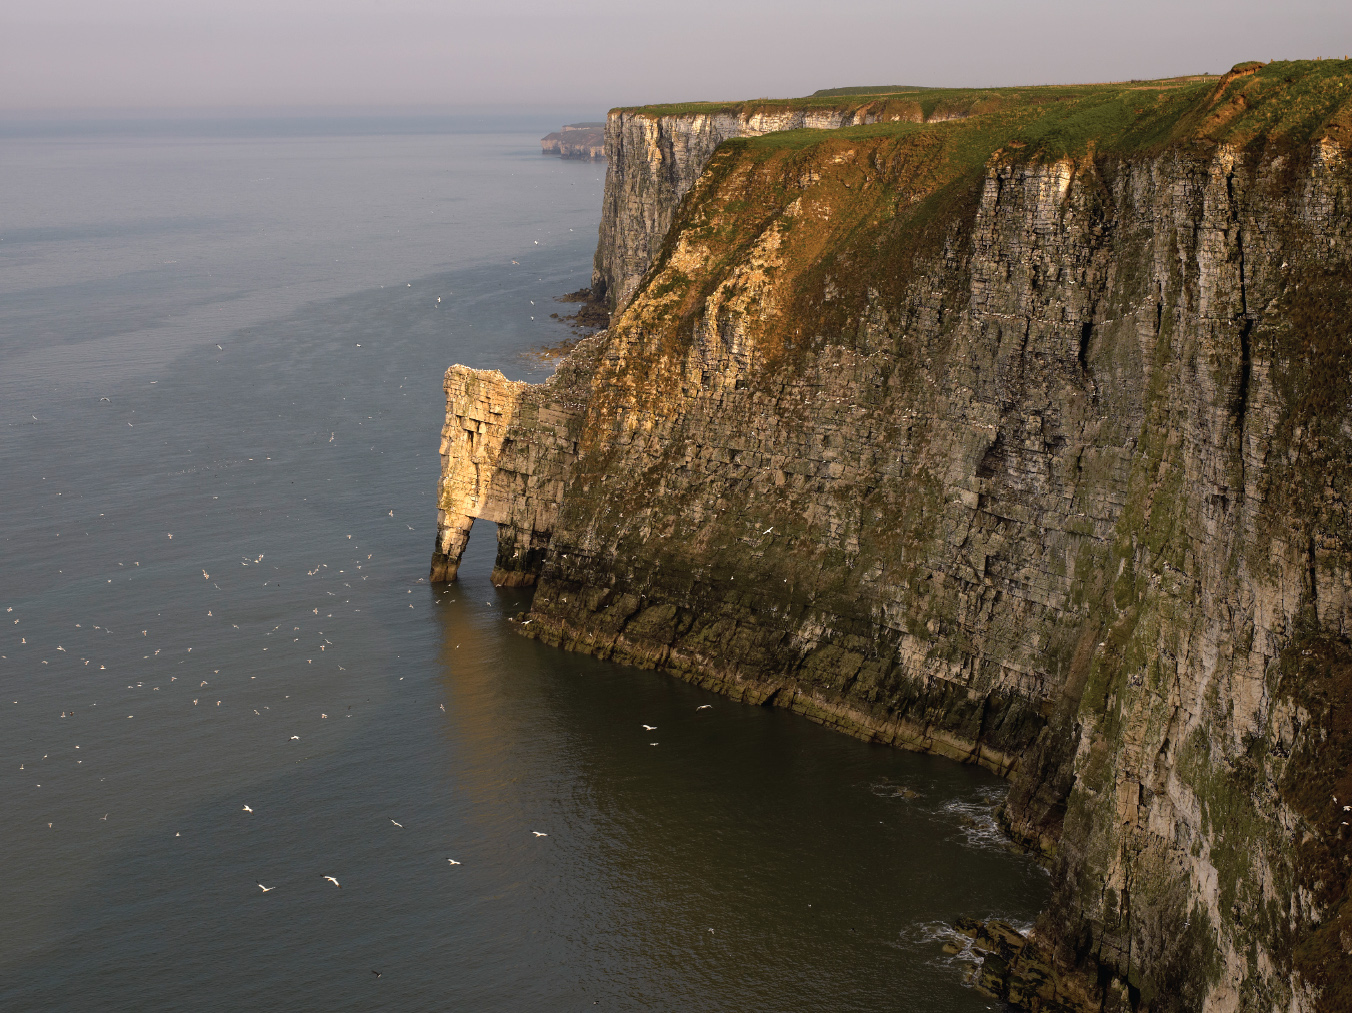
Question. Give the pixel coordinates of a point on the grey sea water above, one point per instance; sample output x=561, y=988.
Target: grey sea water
x=221, y=352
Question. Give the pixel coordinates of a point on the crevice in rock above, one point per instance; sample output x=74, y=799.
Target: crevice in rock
x=1241, y=405
x=1245, y=373
x=991, y=460
x=1314, y=578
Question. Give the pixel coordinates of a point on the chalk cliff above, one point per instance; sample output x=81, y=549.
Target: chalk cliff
x=576, y=140
x=1025, y=439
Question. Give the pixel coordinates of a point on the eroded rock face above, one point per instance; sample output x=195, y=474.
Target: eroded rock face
x=505, y=450
x=1061, y=489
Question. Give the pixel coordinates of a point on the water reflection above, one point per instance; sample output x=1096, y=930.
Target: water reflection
x=752, y=822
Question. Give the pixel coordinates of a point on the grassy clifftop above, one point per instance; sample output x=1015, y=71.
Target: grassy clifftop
x=1281, y=100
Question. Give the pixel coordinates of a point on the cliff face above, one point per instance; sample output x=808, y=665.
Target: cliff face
x=654, y=160
x=1035, y=453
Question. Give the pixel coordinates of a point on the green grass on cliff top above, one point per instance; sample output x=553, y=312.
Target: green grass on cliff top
x=888, y=192
x=1292, y=101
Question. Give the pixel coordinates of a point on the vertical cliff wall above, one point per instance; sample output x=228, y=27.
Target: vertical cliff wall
x=1026, y=440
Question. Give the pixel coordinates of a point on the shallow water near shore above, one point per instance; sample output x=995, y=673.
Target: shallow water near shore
x=283, y=650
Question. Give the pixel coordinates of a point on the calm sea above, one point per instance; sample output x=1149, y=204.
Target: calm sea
x=221, y=348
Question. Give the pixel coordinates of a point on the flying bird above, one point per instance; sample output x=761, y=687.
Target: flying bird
x=375, y=972
x=650, y=728
x=538, y=834
x=397, y=824
x=265, y=889
x=704, y=707
x=452, y=861
x=334, y=882
x=247, y=809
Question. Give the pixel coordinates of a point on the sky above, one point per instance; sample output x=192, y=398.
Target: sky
x=88, y=55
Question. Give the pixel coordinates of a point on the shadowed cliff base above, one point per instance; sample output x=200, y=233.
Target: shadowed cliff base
x=1019, y=431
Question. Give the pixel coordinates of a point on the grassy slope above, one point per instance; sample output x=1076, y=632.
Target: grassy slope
x=1275, y=99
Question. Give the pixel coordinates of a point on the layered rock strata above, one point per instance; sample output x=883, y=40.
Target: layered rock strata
x=1043, y=465
x=506, y=449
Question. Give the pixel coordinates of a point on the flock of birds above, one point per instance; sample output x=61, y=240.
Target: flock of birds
x=96, y=648
x=357, y=564
x=534, y=833
x=164, y=692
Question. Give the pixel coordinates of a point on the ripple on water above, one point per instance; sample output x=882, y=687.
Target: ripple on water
x=975, y=820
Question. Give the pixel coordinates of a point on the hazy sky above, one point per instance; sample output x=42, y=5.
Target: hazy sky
x=90, y=54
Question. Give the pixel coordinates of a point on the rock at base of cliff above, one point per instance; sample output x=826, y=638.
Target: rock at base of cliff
x=1016, y=969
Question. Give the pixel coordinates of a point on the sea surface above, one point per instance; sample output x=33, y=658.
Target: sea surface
x=221, y=664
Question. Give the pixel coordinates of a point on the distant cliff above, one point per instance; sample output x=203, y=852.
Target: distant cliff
x=1019, y=431
x=576, y=140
